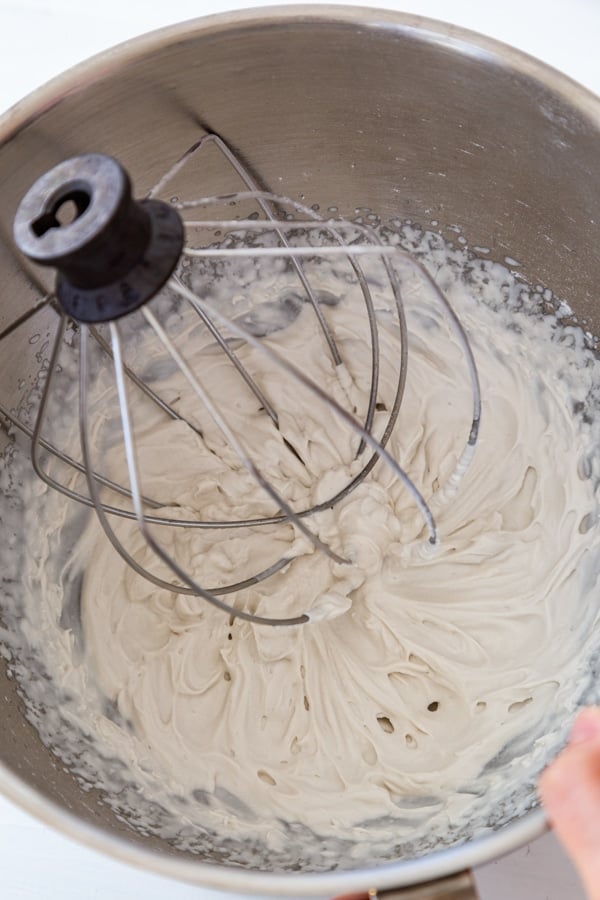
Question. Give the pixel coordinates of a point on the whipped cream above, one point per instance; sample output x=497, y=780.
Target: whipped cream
x=431, y=683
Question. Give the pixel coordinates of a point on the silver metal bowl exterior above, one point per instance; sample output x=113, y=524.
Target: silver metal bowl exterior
x=342, y=106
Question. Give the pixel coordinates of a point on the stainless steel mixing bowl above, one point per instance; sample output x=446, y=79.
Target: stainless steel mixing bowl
x=345, y=107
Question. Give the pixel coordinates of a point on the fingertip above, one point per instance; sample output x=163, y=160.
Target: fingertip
x=552, y=785
x=570, y=792
x=586, y=726
x=570, y=764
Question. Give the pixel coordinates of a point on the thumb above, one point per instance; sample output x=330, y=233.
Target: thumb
x=570, y=792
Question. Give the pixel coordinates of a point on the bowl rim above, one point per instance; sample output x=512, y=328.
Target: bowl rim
x=397, y=874
x=463, y=40
x=400, y=873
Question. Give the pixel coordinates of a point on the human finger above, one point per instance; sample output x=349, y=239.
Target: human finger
x=570, y=792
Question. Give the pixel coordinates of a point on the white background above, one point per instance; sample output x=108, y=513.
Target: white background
x=41, y=38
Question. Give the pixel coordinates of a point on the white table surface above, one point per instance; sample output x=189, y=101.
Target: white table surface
x=41, y=38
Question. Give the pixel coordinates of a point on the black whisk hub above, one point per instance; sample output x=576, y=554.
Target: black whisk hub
x=112, y=253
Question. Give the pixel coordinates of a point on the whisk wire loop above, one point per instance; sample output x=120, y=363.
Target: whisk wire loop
x=321, y=238
x=265, y=207
x=319, y=392
x=191, y=586
x=233, y=440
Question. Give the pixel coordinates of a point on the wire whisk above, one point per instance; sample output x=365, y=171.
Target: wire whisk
x=127, y=267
